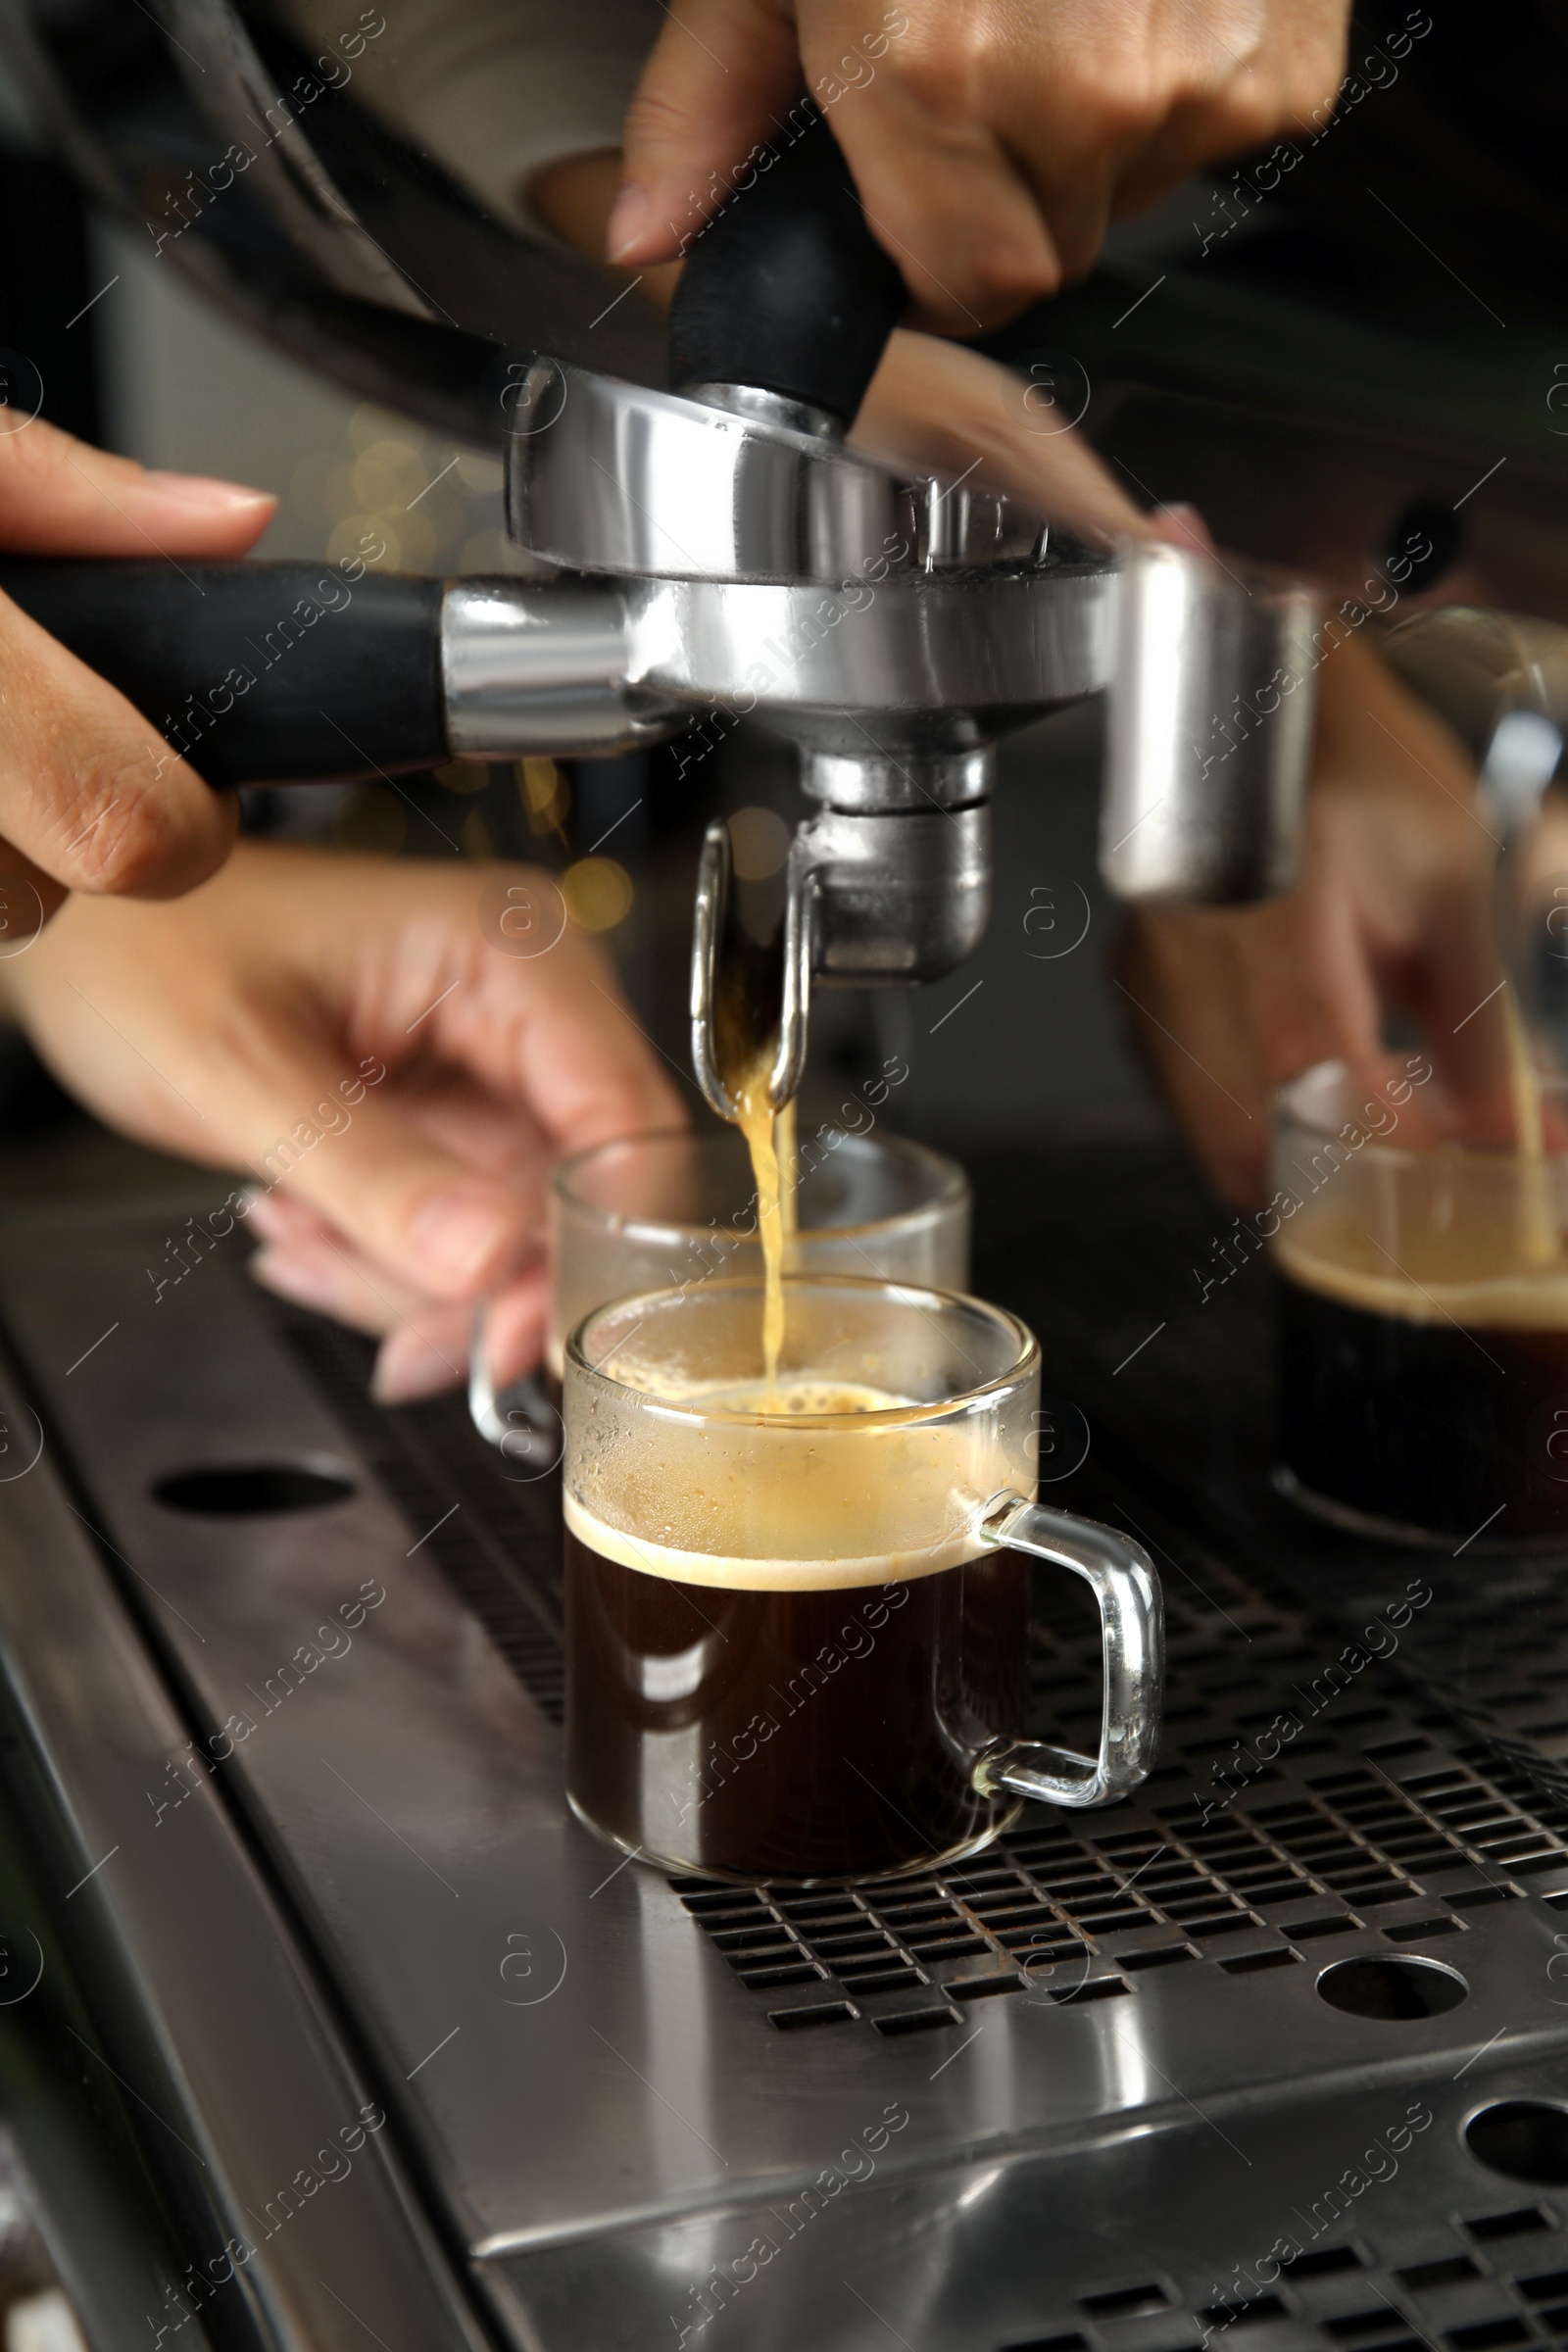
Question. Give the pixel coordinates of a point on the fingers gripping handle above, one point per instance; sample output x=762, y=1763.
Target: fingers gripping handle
x=1122, y=1578
x=787, y=290
x=256, y=673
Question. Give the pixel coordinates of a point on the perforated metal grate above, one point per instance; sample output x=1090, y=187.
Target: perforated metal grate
x=1378, y=1828
x=1491, y=2280
x=1378, y=1816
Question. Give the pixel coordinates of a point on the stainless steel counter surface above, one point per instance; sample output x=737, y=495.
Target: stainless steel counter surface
x=601, y=2106
x=229, y=2053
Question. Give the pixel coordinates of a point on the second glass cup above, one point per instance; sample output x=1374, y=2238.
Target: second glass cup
x=678, y=1208
x=1422, y=1316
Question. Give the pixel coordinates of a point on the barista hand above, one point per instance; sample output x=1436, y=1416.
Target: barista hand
x=930, y=405
x=91, y=797
x=934, y=406
x=1394, y=905
x=246, y=1026
x=991, y=140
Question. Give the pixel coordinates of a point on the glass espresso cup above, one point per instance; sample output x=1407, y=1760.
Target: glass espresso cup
x=681, y=1208
x=797, y=1622
x=1422, y=1316
x=671, y=1208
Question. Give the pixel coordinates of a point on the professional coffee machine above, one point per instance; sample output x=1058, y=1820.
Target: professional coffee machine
x=329, y=2021
x=721, y=550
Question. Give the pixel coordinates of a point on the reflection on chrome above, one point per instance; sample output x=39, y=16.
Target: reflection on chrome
x=980, y=2187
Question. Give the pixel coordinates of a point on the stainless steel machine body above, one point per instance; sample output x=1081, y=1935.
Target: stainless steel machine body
x=296, y=1753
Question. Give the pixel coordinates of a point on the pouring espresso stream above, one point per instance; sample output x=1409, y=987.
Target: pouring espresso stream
x=746, y=1030
x=760, y=1126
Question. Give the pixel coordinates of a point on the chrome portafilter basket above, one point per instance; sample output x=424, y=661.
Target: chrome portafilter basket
x=892, y=631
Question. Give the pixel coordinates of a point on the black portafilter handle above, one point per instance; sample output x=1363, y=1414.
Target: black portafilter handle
x=257, y=673
x=787, y=290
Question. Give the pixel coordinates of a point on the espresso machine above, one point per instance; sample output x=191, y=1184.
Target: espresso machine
x=720, y=548
x=714, y=548
x=321, y=2020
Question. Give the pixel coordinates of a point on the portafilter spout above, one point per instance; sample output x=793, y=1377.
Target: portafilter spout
x=875, y=896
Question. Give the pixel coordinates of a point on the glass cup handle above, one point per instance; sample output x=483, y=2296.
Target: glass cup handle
x=1132, y=1624
x=519, y=1421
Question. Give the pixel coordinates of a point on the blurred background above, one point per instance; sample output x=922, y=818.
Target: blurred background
x=1024, y=1040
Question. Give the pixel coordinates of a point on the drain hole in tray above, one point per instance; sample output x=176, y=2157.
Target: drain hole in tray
x=1523, y=2140
x=1383, y=1986
x=251, y=1490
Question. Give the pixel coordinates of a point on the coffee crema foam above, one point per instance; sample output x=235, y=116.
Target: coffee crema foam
x=767, y=1504
x=784, y=1401
x=1466, y=1273
x=763, y=1574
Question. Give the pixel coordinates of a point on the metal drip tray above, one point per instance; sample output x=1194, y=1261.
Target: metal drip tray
x=1198, y=2063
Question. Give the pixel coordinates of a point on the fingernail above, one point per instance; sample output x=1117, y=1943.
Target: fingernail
x=262, y=1214
x=408, y=1367
x=1184, y=526
x=287, y=1279
x=461, y=1237
x=628, y=222
x=206, y=490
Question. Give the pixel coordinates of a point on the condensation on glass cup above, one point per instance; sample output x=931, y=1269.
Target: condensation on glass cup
x=1422, y=1316
x=679, y=1209
x=797, y=1620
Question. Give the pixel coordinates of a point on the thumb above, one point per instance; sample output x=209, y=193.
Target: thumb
x=366, y=1165
x=60, y=496
x=720, y=76
x=1181, y=525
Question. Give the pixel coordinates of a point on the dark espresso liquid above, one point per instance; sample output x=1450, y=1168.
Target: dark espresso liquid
x=793, y=1734
x=1448, y=1423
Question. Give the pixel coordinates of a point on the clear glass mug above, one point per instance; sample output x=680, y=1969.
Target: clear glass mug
x=797, y=1631
x=676, y=1207
x=1421, y=1313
